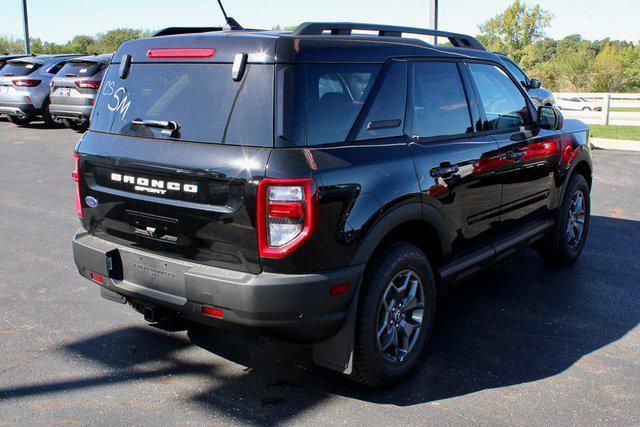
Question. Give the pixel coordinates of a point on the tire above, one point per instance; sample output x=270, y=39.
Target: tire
x=20, y=122
x=375, y=363
x=586, y=109
x=48, y=120
x=564, y=246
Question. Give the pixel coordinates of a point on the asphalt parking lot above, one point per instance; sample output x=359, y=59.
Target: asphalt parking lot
x=521, y=343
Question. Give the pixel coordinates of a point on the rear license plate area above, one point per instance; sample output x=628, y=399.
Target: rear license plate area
x=152, y=227
x=153, y=273
x=64, y=92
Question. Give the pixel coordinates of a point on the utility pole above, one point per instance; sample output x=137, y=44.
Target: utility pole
x=433, y=18
x=25, y=19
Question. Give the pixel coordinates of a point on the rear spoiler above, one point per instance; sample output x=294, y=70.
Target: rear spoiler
x=172, y=31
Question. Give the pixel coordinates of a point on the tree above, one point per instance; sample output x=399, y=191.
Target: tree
x=110, y=41
x=511, y=31
x=608, y=74
x=284, y=28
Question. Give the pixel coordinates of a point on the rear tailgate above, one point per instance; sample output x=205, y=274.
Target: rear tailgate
x=188, y=193
x=186, y=200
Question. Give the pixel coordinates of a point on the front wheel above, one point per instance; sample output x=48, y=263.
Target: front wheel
x=395, y=315
x=564, y=246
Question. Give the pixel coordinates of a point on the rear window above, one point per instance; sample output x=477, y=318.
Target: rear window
x=202, y=99
x=18, y=69
x=81, y=69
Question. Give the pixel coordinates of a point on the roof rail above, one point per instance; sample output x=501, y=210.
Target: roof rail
x=171, y=31
x=345, y=29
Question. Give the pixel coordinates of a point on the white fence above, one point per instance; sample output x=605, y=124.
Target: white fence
x=606, y=116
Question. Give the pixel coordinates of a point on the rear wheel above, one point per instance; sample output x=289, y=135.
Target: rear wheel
x=20, y=121
x=77, y=126
x=565, y=244
x=395, y=315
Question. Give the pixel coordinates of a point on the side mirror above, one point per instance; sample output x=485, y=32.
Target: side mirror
x=550, y=118
x=534, y=84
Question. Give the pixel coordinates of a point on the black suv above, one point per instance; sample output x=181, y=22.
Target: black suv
x=320, y=186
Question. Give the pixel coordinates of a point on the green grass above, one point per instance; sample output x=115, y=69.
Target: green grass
x=626, y=109
x=631, y=133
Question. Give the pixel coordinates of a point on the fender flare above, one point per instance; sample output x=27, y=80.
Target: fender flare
x=414, y=211
x=581, y=156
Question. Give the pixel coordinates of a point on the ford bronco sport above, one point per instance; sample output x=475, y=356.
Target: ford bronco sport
x=320, y=186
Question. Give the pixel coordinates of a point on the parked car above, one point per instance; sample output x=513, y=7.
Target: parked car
x=538, y=94
x=7, y=57
x=24, y=87
x=319, y=186
x=577, y=103
x=74, y=89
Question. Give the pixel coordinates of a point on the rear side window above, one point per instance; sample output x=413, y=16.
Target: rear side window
x=81, y=69
x=335, y=96
x=504, y=105
x=439, y=103
x=202, y=99
x=18, y=69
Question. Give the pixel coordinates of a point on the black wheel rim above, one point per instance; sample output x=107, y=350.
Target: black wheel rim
x=576, y=219
x=400, y=316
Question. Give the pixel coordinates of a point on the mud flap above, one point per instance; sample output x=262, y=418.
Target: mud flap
x=336, y=353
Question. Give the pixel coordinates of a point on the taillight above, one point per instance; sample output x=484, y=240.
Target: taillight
x=287, y=211
x=76, y=177
x=88, y=84
x=26, y=83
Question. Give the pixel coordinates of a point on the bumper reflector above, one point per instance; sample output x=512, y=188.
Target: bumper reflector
x=341, y=289
x=212, y=312
x=97, y=278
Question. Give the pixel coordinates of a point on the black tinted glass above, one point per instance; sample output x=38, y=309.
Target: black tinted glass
x=202, y=98
x=385, y=116
x=504, y=105
x=80, y=69
x=18, y=69
x=439, y=102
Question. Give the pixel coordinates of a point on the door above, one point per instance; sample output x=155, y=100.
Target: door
x=528, y=154
x=457, y=167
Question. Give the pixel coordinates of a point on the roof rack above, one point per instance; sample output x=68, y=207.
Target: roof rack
x=345, y=29
x=171, y=31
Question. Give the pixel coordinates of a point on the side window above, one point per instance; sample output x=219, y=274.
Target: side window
x=439, y=103
x=504, y=105
x=516, y=71
x=385, y=118
x=55, y=68
x=335, y=96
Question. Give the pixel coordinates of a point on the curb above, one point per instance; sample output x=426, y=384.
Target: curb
x=615, y=144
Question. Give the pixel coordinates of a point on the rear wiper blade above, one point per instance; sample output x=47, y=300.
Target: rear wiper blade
x=169, y=127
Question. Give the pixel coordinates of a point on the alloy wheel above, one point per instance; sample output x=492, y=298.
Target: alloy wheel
x=400, y=316
x=576, y=219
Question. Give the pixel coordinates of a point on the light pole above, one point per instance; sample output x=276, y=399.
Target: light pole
x=25, y=19
x=433, y=18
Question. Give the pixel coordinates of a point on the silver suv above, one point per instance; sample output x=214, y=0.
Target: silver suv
x=24, y=87
x=74, y=89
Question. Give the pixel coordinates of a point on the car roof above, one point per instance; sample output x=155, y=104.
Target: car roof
x=101, y=58
x=42, y=59
x=307, y=44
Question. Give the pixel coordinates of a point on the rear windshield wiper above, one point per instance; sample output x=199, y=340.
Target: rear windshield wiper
x=169, y=127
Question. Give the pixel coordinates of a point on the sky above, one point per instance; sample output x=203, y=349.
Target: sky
x=60, y=20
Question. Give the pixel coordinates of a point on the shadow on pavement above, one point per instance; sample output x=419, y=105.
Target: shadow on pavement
x=517, y=322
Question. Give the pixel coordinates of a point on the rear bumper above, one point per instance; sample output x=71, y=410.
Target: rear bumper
x=296, y=308
x=73, y=112
x=17, y=109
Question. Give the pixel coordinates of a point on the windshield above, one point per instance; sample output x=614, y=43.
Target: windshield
x=18, y=69
x=80, y=69
x=202, y=99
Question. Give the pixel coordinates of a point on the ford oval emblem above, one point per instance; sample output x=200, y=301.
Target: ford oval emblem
x=92, y=202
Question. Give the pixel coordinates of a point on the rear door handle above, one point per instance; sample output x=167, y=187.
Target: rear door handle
x=442, y=171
